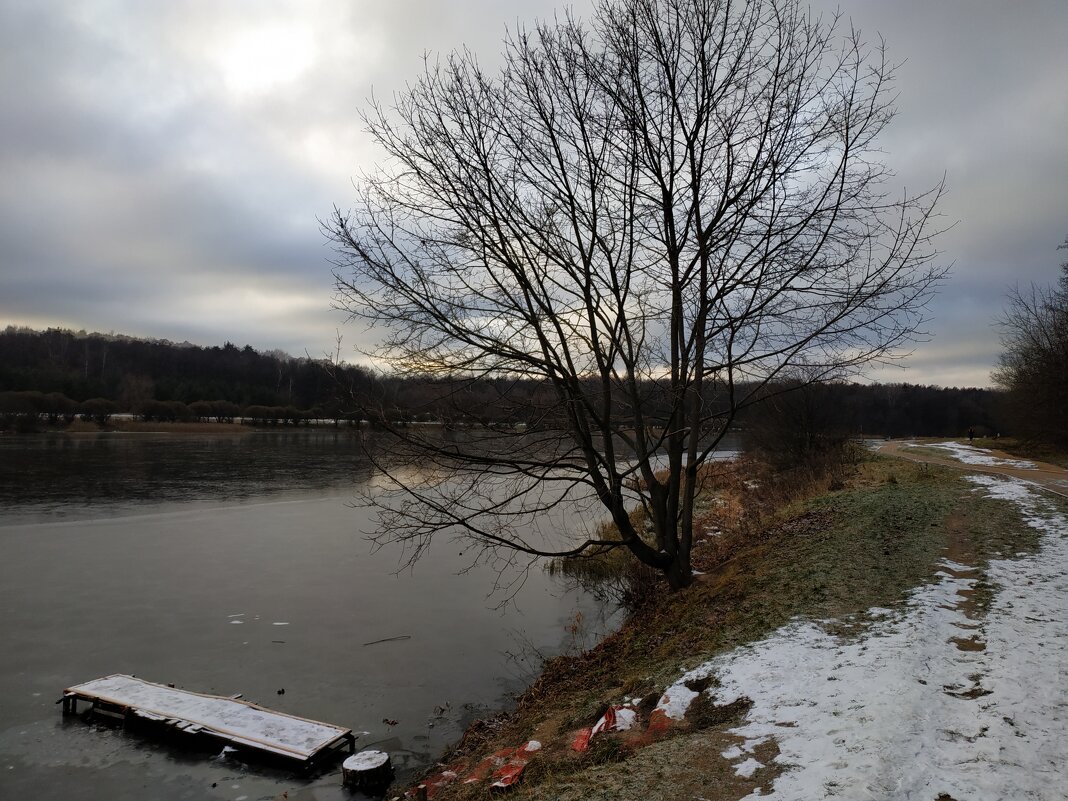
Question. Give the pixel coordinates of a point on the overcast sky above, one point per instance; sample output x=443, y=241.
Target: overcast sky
x=164, y=162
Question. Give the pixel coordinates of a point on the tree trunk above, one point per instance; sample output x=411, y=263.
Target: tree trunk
x=679, y=574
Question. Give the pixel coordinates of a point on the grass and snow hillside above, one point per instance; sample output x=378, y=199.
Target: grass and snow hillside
x=903, y=635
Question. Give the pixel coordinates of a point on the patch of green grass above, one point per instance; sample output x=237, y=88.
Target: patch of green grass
x=996, y=529
x=927, y=450
x=881, y=541
x=1039, y=451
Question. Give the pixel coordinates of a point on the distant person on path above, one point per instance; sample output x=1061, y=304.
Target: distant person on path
x=971, y=435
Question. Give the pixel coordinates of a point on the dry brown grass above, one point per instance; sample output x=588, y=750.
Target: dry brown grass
x=742, y=498
x=737, y=499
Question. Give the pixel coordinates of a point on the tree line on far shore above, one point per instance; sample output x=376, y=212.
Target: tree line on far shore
x=132, y=371
x=54, y=377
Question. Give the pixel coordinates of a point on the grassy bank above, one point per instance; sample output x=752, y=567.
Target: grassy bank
x=829, y=554
x=1022, y=449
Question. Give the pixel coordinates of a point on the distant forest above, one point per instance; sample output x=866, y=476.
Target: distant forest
x=130, y=371
x=58, y=374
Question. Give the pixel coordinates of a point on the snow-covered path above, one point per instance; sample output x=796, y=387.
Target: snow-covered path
x=982, y=460
x=944, y=698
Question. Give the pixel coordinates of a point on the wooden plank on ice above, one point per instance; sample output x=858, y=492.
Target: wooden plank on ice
x=231, y=719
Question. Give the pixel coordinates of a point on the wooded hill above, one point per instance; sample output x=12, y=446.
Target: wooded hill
x=131, y=371
x=64, y=370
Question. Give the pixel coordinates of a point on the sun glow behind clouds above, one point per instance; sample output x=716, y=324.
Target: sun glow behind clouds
x=177, y=140
x=258, y=60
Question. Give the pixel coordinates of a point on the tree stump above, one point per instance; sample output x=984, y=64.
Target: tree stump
x=368, y=771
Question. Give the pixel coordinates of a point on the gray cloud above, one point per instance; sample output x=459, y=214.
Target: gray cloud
x=164, y=164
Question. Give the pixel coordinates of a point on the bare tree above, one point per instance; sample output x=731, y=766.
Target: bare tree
x=655, y=214
x=1033, y=367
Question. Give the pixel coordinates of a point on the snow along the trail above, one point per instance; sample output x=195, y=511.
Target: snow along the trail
x=972, y=455
x=903, y=711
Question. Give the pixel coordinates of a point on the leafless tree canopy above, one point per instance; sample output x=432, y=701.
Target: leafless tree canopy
x=664, y=208
x=1034, y=365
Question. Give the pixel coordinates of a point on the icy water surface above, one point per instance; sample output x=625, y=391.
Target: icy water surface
x=237, y=565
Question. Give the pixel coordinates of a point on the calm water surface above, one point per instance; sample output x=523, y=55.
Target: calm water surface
x=235, y=564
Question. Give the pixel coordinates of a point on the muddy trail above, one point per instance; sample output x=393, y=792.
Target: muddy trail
x=981, y=460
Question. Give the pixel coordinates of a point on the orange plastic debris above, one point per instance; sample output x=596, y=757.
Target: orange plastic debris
x=437, y=781
x=483, y=769
x=509, y=773
x=504, y=767
x=659, y=722
x=582, y=739
x=606, y=723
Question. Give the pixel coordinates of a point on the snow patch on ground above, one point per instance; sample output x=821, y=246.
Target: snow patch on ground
x=903, y=711
x=678, y=697
x=1015, y=491
x=676, y=700
x=748, y=768
x=625, y=719
x=978, y=456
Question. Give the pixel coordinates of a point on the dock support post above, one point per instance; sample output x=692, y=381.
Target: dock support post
x=370, y=771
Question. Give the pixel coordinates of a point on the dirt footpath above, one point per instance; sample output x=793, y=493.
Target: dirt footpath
x=1048, y=476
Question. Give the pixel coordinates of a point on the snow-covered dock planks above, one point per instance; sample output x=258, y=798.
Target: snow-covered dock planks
x=231, y=720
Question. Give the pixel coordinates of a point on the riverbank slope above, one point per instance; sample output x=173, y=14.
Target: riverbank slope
x=877, y=640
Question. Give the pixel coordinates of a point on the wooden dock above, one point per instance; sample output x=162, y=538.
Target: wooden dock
x=230, y=720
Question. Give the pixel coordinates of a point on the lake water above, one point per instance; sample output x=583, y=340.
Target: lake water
x=236, y=564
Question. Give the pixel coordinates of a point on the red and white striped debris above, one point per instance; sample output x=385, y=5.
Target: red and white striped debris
x=510, y=772
x=503, y=767
x=431, y=784
x=616, y=718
